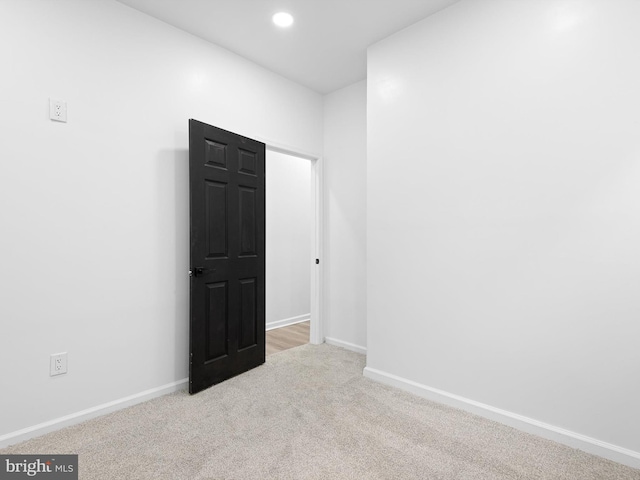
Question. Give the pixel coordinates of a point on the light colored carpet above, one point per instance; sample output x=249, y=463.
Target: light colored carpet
x=308, y=413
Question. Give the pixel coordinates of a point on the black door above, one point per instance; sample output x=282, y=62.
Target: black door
x=227, y=215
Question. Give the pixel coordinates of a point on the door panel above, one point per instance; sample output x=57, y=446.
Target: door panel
x=227, y=228
x=247, y=163
x=216, y=154
x=217, y=320
x=248, y=312
x=216, y=218
x=248, y=218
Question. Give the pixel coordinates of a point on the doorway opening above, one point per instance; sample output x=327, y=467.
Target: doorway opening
x=293, y=248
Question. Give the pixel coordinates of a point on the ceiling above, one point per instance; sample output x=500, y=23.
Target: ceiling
x=324, y=50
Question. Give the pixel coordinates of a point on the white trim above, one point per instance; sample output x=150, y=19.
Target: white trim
x=93, y=412
x=316, y=333
x=287, y=149
x=529, y=425
x=288, y=321
x=349, y=346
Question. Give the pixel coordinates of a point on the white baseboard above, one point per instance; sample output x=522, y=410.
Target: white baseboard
x=529, y=425
x=93, y=412
x=349, y=346
x=288, y=321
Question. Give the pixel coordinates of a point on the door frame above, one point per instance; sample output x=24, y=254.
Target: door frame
x=316, y=334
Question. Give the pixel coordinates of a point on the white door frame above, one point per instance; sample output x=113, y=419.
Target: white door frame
x=316, y=334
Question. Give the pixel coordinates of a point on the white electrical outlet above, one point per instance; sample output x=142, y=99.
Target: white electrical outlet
x=58, y=364
x=58, y=110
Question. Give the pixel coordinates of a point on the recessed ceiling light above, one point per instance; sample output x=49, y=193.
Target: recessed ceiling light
x=283, y=19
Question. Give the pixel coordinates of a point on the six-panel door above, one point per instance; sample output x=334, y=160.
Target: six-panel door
x=227, y=226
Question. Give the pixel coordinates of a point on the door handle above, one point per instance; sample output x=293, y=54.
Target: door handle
x=200, y=271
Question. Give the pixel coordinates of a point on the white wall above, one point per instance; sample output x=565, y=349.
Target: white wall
x=94, y=213
x=288, y=239
x=504, y=210
x=345, y=164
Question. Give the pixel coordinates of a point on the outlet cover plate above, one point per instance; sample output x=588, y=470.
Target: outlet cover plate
x=58, y=364
x=58, y=110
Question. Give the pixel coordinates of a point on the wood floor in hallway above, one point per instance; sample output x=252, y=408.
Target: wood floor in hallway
x=284, y=338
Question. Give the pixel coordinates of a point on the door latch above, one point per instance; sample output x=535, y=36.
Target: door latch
x=200, y=271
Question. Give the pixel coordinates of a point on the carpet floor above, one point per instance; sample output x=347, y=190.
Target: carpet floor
x=308, y=413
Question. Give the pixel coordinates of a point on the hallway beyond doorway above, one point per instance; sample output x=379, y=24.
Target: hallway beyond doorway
x=284, y=338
